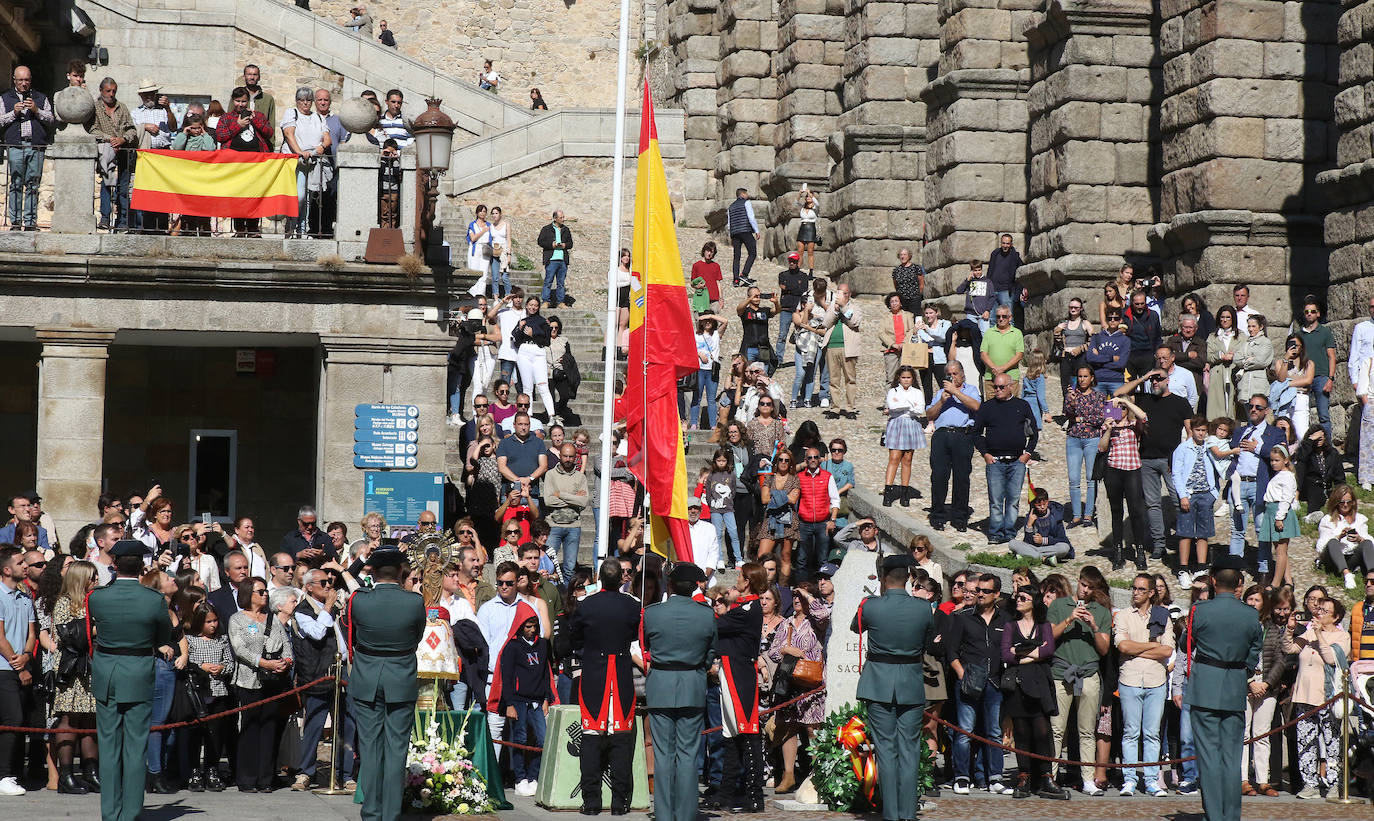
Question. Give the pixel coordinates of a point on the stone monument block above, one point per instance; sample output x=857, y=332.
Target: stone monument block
x=856, y=581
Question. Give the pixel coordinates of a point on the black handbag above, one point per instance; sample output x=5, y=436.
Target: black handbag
x=688, y=382
x=187, y=701
x=74, y=659
x=975, y=679
x=1100, y=466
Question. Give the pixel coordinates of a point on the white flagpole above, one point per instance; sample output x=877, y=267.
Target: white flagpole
x=612, y=309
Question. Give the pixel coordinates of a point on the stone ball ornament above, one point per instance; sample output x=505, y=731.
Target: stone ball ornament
x=357, y=115
x=74, y=105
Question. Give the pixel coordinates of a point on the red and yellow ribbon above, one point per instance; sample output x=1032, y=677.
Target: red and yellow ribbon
x=853, y=737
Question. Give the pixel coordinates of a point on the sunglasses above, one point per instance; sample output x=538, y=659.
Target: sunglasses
x=837, y=450
x=1002, y=387
x=810, y=458
x=500, y=583
x=522, y=404
x=1257, y=406
x=260, y=592
x=479, y=407
x=987, y=591
x=1113, y=316
x=765, y=404
x=283, y=567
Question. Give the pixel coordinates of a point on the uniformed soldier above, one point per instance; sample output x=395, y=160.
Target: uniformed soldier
x=602, y=628
x=1224, y=636
x=737, y=644
x=384, y=628
x=679, y=638
x=900, y=631
x=127, y=621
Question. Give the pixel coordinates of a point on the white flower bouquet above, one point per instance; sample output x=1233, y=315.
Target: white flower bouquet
x=440, y=777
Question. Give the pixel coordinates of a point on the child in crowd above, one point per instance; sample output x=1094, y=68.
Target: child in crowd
x=211, y=666
x=1196, y=481
x=1033, y=387
x=527, y=678
x=708, y=270
x=1280, y=516
x=1220, y=453
x=389, y=185
x=719, y=495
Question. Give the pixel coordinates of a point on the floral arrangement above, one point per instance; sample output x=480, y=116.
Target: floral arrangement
x=440, y=777
x=844, y=769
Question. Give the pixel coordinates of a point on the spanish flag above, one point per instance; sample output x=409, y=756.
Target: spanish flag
x=223, y=183
x=662, y=348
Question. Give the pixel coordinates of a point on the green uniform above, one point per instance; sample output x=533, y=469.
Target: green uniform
x=900, y=630
x=385, y=626
x=1226, y=638
x=679, y=635
x=128, y=621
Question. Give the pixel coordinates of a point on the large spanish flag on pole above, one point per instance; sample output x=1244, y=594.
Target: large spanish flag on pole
x=223, y=183
x=662, y=348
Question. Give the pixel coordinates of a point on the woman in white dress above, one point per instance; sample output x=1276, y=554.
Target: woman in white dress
x=501, y=252
x=906, y=406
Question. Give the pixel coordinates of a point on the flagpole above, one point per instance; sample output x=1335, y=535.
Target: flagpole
x=603, y=528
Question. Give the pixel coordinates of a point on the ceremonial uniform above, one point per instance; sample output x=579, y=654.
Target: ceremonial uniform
x=385, y=626
x=128, y=622
x=737, y=644
x=679, y=637
x=603, y=627
x=900, y=631
x=1224, y=637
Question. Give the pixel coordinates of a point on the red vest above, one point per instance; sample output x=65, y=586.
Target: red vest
x=814, y=504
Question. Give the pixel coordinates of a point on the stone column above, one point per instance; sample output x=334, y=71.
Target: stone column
x=695, y=50
x=360, y=370
x=810, y=67
x=746, y=105
x=73, y=159
x=409, y=180
x=71, y=421
x=1245, y=129
x=1091, y=203
x=1348, y=190
x=975, y=127
x=878, y=198
x=357, y=186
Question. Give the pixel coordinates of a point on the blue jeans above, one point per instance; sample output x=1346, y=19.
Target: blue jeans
x=565, y=540
x=803, y=378
x=732, y=551
x=784, y=326
x=983, y=325
x=26, y=172
x=983, y=717
x=1004, y=495
x=554, y=276
x=711, y=756
x=500, y=280
x=1185, y=742
x=1240, y=519
x=317, y=709
x=1033, y=391
x=1081, y=452
x=1142, y=708
x=705, y=389
x=1109, y=386
x=164, y=683
x=508, y=373
x=810, y=548
x=1323, y=403
x=528, y=728
x=824, y=365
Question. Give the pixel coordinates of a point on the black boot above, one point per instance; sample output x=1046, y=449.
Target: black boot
x=212, y=780
x=1140, y=563
x=90, y=774
x=904, y=493
x=1118, y=559
x=1051, y=790
x=67, y=783
x=196, y=783
x=889, y=493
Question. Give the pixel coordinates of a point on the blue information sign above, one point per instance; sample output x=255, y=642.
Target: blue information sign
x=402, y=497
x=385, y=436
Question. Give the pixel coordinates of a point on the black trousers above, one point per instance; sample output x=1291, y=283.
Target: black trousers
x=609, y=754
x=744, y=242
x=1124, y=485
x=206, y=737
x=951, y=454
x=258, y=736
x=11, y=713
x=1140, y=363
x=1068, y=376
x=742, y=783
x=1034, y=735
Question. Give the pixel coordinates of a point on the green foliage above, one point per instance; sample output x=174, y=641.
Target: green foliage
x=522, y=263
x=1124, y=584
x=833, y=774
x=1010, y=561
x=965, y=546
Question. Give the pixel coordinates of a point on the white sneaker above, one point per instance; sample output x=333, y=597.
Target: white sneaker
x=1313, y=517
x=522, y=787
x=455, y=419
x=533, y=787
x=1366, y=486
x=1091, y=789
x=960, y=786
x=825, y=403
x=1127, y=790
x=9, y=786
x=1349, y=580
x=1184, y=578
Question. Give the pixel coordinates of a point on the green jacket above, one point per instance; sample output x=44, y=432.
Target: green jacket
x=679, y=632
x=385, y=619
x=1225, y=629
x=125, y=615
x=900, y=627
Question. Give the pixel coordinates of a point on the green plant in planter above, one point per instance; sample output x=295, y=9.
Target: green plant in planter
x=833, y=772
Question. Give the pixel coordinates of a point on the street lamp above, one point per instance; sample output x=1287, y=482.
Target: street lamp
x=433, y=132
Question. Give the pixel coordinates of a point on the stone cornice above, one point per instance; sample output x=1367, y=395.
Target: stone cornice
x=365, y=350
x=977, y=83
x=1063, y=18
x=855, y=139
x=1351, y=185
x=1201, y=229
x=81, y=343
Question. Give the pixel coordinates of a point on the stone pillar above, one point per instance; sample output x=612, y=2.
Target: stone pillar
x=746, y=105
x=810, y=68
x=878, y=198
x=1245, y=129
x=357, y=186
x=71, y=421
x=73, y=159
x=1348, y=190
x=695, y=50
x=975, y=127
x=1091, y=203
x=409, y=181
x=360, y=370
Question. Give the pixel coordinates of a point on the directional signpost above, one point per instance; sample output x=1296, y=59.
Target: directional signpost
x=386, y=437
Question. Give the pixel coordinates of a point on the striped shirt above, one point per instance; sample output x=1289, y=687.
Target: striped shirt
x=395, y=128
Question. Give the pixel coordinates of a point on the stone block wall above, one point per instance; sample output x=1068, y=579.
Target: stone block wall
x=693, y=49
x=746, y=103
x=1091, y=100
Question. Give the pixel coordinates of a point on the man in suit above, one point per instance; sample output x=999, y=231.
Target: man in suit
x=900, y=631
x=679, y=635
x=1251, y=468
x=1225, y=636
x=127, y=621
x=225, y=599
x=603, y=627
x=386, y=624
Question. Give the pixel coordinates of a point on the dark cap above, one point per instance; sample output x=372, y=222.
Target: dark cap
x=386, y=557
x=33, y=496
x=900, y=562
x=828, y=569
x=1228, y=562
x=129, y=547
x=686, y=572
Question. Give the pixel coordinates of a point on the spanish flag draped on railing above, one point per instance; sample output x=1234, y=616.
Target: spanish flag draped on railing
x=224, y=183
x=662, y=348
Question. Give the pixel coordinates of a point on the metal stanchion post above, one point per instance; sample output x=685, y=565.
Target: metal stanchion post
x=1343, y=790
x=337, y=740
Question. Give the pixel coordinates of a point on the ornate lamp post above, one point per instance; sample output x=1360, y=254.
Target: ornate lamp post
x=433, y=132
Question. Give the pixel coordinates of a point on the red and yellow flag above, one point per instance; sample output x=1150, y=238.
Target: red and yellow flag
x=662, y=348
x=223, y=183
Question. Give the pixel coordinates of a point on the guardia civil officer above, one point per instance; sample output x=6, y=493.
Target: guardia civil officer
x=679, y=637
x=603, y=627
x=127, y=622
x=384, y=628
x=737, y=644
x=1224, y=636
x=900, y=631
